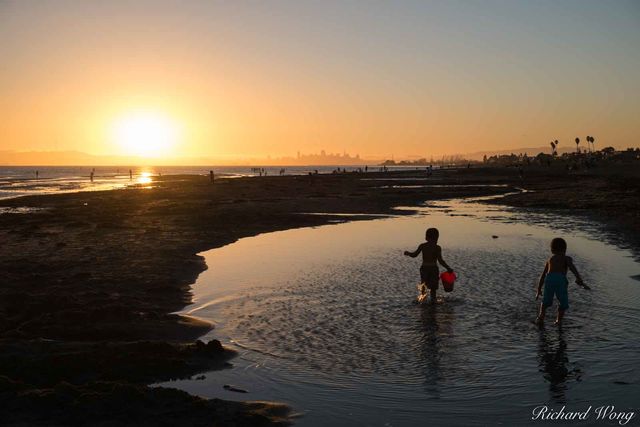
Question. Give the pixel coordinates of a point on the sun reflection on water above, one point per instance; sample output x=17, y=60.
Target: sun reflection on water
x=144, y=178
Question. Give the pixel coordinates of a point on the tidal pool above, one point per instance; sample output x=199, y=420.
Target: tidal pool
x=326, y=320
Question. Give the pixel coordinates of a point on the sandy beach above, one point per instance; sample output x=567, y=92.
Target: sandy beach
x=92, y=278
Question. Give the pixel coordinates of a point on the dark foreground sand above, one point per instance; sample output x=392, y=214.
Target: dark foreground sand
x=88, y=283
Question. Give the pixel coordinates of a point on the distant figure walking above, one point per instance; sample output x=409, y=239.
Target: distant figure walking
x=91, y=176
x=211, y=176
x=37, y=173
x=554, y=280
x=521, y=175
x=431, y=256
x=130, y=175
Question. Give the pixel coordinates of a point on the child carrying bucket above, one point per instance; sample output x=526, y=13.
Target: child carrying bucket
x=429, y=273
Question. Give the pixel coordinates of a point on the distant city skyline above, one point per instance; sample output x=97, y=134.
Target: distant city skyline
x=77, y=158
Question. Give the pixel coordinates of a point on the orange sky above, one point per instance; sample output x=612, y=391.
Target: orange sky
x=273, y=78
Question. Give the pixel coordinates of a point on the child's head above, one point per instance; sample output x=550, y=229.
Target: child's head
x=432, y=235
x=558, y=246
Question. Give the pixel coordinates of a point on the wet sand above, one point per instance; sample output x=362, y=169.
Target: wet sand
x=92, y=278
x=609, y=195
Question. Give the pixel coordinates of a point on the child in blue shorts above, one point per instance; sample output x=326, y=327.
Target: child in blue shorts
x=554, y=279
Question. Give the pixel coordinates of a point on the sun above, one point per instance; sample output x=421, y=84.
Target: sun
x=146, y=134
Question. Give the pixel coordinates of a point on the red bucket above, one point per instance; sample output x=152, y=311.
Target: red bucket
x=448, y=279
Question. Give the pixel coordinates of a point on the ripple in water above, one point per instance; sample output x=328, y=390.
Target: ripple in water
x=326, y=319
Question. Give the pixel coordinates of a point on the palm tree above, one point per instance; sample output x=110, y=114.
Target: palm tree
x=578, y=145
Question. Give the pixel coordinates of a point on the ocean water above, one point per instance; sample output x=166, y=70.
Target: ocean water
x=16, y=181
x=326, y=319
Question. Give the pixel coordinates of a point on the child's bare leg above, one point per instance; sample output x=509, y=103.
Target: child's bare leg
x=540, y=318
x=432, y=292
x=560, y=316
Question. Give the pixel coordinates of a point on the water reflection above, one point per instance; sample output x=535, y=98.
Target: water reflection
x=336, y=323
x=554, y=364
x=144, y=178
x=436, y=338
x=429, y=351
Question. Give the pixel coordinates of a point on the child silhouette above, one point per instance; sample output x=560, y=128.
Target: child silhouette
x=431, y=256
x=554, y=279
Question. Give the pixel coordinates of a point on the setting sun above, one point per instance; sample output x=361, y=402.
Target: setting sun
x=145, y=134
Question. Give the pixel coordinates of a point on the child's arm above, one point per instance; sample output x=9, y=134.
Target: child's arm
x=541, y=281
x=442, y=262
x=574, y=270
x=414, y=253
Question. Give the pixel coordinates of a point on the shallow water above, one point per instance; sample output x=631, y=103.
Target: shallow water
x=17, y=181
x=325, y=319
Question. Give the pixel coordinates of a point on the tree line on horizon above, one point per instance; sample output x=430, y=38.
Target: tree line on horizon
x=590, y=140
x=570, y=159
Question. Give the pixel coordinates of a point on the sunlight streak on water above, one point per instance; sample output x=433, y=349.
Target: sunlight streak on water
x=144, y=178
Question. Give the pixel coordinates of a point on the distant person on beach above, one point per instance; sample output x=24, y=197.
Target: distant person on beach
x=37, y=174
x=130, y=175
x=554, y=279
x=521, y=174
x=431, y=256
x=211, y=176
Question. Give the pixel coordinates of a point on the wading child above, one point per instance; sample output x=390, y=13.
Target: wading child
x=554, y=279
x=431, y=255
